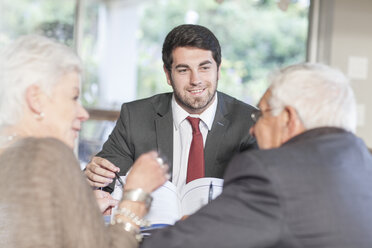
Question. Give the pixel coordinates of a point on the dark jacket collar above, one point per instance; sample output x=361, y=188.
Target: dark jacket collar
x=313, y=133
x=162, y=103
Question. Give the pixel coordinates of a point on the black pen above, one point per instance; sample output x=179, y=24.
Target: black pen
x=210, y=194
x=119, y=179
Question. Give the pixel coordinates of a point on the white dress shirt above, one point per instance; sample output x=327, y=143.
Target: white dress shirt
x=182, y=137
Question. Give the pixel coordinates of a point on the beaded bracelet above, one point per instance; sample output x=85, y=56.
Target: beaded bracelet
x=132, y=216
x=128, y=227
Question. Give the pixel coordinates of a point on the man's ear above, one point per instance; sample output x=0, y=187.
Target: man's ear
x=34, y=96
x=293, y=121
x=167, y=74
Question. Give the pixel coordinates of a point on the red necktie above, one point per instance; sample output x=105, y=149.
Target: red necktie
x=195, y=165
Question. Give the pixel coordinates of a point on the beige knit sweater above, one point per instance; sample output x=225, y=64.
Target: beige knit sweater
x=45, y=200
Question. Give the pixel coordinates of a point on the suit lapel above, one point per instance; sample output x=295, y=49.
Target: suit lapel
x=164, y=128
x=215, y=138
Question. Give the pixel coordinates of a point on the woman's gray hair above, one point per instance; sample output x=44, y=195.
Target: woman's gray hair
x=29, y=60
x=321, y=95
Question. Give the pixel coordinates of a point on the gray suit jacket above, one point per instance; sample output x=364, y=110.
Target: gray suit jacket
x=147, y=124
x=313, y=192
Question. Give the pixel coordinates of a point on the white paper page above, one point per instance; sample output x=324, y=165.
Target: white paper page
x=168, y=206
x=165, y=207
x=195, y=194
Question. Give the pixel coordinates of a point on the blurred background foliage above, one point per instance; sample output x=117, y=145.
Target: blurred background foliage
x=50, y=18
x=256, y=37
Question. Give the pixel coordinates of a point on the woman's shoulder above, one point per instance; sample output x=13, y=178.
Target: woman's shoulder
x=41, y=143
x=51, y=146
x=39, y=152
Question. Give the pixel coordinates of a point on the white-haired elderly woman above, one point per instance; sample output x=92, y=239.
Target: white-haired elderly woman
x=45, y=199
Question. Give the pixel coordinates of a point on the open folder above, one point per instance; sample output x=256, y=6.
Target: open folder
x=169, y=205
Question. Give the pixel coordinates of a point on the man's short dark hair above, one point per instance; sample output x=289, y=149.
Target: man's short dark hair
x=189, y=35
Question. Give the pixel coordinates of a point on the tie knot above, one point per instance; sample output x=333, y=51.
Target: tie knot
x=194, y=124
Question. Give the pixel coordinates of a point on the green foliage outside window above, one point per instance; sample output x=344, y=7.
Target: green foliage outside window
x=256, y=37
x=49, y=18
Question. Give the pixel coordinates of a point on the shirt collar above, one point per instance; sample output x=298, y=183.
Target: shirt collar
x=179, y=114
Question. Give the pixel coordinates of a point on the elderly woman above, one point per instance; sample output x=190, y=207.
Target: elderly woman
x=45, y=200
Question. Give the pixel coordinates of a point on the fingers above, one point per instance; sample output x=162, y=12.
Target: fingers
x=160, y=161
x=100, y=172
x=105, y=200
x=107, y=211
x=151, y=154
x=164, y=167
x=97, y=181
x=148, y=172
x=112, y=202
x=106, y=203
x=98, y=193
x=97, y=185
x=101, y=194
x=104, y=163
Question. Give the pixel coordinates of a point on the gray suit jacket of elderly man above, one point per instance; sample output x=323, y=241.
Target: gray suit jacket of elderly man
x=313, y=192
x=147, y=124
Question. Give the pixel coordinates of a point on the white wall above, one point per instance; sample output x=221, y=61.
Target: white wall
x=118, y=53
x=346, y=33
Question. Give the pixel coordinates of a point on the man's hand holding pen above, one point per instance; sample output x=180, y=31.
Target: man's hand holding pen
x=100, y=172
x=147, y=173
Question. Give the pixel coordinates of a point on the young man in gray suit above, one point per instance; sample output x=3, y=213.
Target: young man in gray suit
x=192, y=63
x=308, y=186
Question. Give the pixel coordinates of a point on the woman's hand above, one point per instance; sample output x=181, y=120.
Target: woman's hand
x=148, y=173
x=105, y=201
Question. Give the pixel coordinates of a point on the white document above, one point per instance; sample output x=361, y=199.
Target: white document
x=169, y=205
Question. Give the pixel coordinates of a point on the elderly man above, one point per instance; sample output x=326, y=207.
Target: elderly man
x=309, y=185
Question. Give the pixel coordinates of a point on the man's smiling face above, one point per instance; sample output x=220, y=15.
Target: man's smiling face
x=194, y=76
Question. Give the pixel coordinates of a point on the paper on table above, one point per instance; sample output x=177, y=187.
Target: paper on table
x=169, y=205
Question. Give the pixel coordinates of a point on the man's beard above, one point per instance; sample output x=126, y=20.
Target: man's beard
x=194, y=105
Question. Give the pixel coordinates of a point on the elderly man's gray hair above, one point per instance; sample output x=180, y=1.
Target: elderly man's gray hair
x=321, y=95
x=29, y=60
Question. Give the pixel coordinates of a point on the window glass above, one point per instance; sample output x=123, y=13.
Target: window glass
x=256, y=37
x=50, y=18
x=122, y=45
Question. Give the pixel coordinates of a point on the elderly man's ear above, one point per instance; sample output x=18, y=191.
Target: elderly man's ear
x=292, y=121
x=34, y=98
